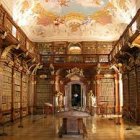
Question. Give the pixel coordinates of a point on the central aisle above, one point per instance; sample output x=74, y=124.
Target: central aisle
x=98, y=128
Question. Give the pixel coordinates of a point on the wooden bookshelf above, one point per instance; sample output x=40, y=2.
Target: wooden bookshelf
x=138, y=94
x=125, y=92
x=14, y=80
x=60, y=50
x=44, y=92
x=106, y=95
x=138, y=81
x=24, y=94
x=7, y=90
x=16, y=93
x=7, y=94
x=132, y=92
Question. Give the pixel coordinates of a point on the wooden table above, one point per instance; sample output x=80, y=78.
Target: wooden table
x=72, y=123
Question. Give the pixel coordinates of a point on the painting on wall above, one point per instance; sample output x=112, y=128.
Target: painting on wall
x=68, y=20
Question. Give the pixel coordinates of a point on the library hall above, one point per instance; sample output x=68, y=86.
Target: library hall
x=69, y=69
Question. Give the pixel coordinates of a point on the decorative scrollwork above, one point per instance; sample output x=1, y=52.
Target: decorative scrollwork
x=51, y=69
x=137, y=60
x=6, y=51
x=3, y=35
x=75, y=71
x=38, y=66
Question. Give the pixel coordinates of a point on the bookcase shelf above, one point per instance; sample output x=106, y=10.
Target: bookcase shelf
x=125, y=92
x=106, y=96
x=24, y=94
x=16, y=93
x=138, y=82
x=6, y=93
x=11, y=61
x=132, y=88
x=44, y=88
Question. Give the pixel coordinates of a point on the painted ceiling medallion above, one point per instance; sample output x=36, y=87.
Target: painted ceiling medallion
x=73, y=20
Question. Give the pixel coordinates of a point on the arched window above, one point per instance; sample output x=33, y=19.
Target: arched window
x=74, y=48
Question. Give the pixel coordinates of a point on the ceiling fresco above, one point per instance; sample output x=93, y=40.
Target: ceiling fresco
x=73, y=20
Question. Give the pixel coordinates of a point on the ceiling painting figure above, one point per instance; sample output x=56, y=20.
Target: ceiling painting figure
x=68, y=20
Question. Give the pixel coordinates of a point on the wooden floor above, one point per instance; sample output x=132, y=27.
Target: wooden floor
x=98, y=128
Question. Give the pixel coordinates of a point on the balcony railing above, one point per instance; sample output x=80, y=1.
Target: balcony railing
x=8, y=25
x=128, y=36
x=75, y=58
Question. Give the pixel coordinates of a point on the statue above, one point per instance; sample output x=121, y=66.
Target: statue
x=75, y=71
x=59, y=101
x=92, y=99
x=92, y=102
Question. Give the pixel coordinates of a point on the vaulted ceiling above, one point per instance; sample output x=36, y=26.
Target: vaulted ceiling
x=73, y=20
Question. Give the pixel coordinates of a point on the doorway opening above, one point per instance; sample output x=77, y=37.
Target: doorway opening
x=76, y=95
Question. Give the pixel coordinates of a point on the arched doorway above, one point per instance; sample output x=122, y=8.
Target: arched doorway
x=75, y=95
